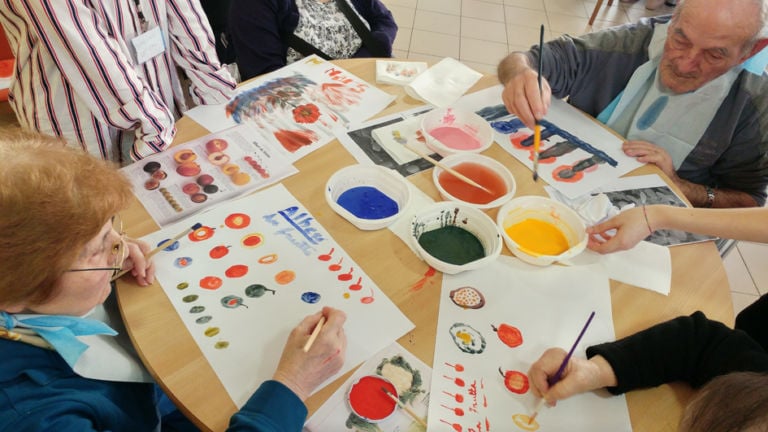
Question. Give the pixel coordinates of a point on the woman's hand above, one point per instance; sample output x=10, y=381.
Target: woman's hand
x=621, y=232
x=303, y=371
x=579, y=376
x=141, y=268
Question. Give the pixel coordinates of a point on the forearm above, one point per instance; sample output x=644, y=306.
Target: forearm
x=738, y=224
x=724, y=198
x=512, y=65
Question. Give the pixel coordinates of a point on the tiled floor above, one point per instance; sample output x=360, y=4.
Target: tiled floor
x=482, y=32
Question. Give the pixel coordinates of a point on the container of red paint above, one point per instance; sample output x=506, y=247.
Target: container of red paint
x=367, y=399
x=497, y=180
x=370, y=197
x=451, y=130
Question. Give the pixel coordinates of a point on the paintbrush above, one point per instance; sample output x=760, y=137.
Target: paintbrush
x=455, y=173
x=162, y=246
x=537, y=128
x=405, y=408
x=556, y=377
x=314, y=334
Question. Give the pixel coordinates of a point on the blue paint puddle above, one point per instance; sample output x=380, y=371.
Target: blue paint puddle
x=172, y=247
x=310, y=297
x=367, y=202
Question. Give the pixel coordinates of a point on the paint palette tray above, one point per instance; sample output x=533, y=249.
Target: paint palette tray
x=370, y=197
x=446, y=214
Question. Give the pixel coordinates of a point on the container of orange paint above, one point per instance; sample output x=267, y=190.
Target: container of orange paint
x=540, y=230
x=497, y=180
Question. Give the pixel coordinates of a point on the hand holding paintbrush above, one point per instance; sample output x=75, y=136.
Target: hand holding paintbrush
x=554, y=379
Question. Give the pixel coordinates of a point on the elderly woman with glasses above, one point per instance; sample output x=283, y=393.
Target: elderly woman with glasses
x=64, y=367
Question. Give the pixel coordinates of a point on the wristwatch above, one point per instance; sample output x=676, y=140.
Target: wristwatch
x=710, y=197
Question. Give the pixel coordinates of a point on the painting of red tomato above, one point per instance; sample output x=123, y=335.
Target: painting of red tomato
x=210, y=283
x=515, y=381
x=236, y=271
x=508, y=334
x=200, y=234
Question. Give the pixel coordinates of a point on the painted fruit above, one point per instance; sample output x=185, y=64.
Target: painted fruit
x=467, y=298
x=236, y=271
x=184, y=156
x=202, y=233
x=508, y=334
x=218, y=158
x=514, y=381
x=198, y=198
x=218, y=251
x=230, y=169
x=151, y=167
x=210, y=283
x=190, y=188
x=237, y=220
x=252, y=240
x=159, y=175
x=151, y=184
x=216, y=145
x=240, y=178
x=205, y=180
x=257, y=290
x=188, y=169
x=209, y=189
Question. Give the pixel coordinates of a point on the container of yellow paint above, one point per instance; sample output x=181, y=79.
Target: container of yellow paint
x=540, y=230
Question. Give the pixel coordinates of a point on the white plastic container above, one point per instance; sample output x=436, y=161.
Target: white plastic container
x=487, y=162
x=458, y=124
x=547, y=210
x=473, y=220
x=387, y=181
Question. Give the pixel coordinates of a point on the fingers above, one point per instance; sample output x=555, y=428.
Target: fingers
x=522, y=98
x=141, y=268
x=545, y=367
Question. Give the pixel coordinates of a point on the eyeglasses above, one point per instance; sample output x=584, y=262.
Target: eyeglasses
x=118, y=251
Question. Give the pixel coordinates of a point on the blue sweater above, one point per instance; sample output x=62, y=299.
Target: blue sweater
x=259, y=31
x=40, y=392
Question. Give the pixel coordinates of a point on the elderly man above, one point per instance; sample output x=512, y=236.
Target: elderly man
x=674, y=87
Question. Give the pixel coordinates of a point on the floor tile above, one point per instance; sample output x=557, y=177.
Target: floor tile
x=738, y=274
x=436, y=44
x=431, y=59
x=613, y=13
x=482, y=10
x=403, y=39
x=569, y=24
x=437, y=22
x=755, y=256
x=525, y=18
x=567, y=7
x=452, y=7
x=403, y=15
x=526, y=4
x=480, y=51
x=399, y=54
x=489, y=69
x=525, y=36
x=741, y=301
x=484, y=30
x=407, y=3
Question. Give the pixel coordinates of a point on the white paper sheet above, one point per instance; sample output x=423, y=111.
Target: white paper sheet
x=548, y=306
x=279, y=245
x=596, y=159
x=298, y=106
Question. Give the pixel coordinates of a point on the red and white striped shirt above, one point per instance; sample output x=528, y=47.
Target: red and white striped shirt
x=75, y=75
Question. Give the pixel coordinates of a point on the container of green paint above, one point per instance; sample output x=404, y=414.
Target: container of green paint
x=455, y=237
x=370, y=197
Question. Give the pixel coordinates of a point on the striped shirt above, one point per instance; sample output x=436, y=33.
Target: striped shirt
x=75, y=74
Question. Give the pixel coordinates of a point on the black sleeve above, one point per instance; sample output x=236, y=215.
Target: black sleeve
x=754, y=321
x=691, y=349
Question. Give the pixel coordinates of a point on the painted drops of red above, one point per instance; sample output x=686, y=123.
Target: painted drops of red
x=210, y=283
x=218, y=251
x=200, y=234
x=237, y=220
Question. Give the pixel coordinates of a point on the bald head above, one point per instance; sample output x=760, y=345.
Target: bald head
x=743, y=17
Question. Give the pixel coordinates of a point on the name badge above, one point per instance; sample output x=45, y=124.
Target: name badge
x=148, y=44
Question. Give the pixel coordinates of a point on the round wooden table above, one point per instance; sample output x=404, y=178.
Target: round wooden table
x=698, y=283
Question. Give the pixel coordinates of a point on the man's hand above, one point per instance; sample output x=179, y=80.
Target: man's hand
x=521, y=90
x=647, y=152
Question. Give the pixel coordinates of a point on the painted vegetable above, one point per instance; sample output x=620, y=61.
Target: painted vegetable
x=236, y=271
x=218, y=251
x=467, y=339
x=210, y=282
x=508, y=334
x=515, y=381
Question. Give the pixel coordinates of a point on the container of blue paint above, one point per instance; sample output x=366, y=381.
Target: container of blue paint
x=370, y=197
